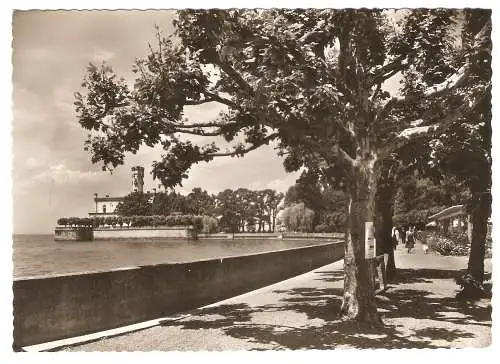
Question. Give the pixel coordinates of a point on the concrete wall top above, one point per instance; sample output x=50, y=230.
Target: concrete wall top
x=127, y=228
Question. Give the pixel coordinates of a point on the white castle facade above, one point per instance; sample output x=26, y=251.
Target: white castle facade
x=106, y=205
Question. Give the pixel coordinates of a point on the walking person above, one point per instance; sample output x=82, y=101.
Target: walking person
x=410, y=239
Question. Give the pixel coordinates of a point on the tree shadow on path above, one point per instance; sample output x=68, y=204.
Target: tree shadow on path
x=319, y=327
x=427, y=275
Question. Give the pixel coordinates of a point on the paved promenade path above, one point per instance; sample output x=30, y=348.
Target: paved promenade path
x=419, y=310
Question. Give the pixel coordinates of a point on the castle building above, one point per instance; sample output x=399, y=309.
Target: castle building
x=106, y=205
x=138, y=179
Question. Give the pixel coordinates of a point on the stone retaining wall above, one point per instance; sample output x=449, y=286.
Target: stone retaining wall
x=76, y=233
x=56, y=307
x=181, y=232
x=306, y=236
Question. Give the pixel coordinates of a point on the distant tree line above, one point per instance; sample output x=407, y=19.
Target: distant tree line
x=312, y=206
x=418, y=198
x=238, y=210
x=308, y=206
x=229, y=211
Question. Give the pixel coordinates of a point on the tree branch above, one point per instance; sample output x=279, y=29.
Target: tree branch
x=454, y=81
x=198, y=102
x=343, y=156
x=200, y=125
x=331, y=153
x=382, y=111
x=231, y=72
x=240, y=152
x=375, y=93
x=222, y=100
x=408, y=134
x=198, y=132
x=388, y=70
x=211, y=97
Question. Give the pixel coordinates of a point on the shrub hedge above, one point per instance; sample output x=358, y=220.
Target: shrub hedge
x=134, y=221
x=456, y=244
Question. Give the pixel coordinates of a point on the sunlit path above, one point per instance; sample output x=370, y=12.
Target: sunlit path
x=419, y=310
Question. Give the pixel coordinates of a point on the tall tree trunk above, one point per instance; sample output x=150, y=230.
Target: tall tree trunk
x=383, y=225
x=479, y=230
x=359, y=292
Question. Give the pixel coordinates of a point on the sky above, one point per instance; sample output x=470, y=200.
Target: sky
x=52, y=175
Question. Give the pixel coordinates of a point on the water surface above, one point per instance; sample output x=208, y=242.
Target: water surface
x=35, y=255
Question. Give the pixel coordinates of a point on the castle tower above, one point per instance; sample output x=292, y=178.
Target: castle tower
x=138, y=179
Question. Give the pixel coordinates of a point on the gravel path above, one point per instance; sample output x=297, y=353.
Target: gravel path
x=419, y=310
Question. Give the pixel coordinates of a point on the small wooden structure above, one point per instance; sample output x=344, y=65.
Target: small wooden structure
x=453, y=219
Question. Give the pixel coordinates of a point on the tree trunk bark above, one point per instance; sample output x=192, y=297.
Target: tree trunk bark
x=479, y=229
x=359, y=292
x=469, y=228
x=383, y=226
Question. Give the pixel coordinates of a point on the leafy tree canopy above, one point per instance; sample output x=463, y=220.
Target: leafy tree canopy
x=309, y=80
x=312, y=82
x=135, y=203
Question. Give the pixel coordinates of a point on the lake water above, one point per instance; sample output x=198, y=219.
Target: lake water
x=35, y=255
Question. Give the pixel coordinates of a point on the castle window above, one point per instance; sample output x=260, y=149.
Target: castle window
x=104, y=208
